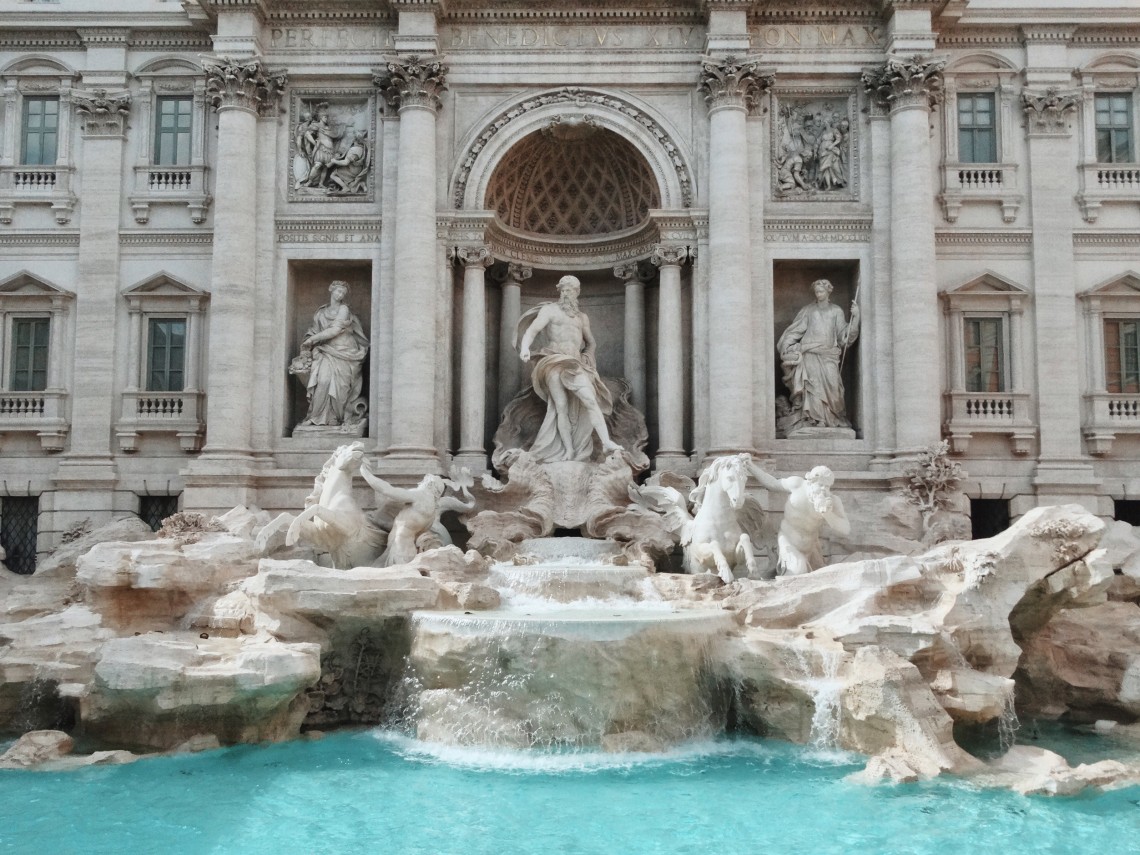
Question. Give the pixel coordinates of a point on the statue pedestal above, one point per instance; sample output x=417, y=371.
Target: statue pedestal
x=821, y=433
x=338, y=432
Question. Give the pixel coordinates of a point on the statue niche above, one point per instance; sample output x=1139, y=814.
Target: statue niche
x=331, y=367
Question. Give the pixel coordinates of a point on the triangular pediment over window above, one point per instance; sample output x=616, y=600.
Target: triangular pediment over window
x=988, y=289
x=162, y=284
x=25, y=284
x=1127, y=285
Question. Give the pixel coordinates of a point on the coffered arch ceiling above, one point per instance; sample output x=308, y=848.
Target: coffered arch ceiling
x=570, y=179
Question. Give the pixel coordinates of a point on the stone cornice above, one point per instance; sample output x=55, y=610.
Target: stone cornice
x=1049, y=112
x=101, y=114
x=40, y=40
x=242, y=84
x=412, y=81
x=733, y=82
x=1056, y=34
x=902, y=83
x=104, y=35
x=170, y=39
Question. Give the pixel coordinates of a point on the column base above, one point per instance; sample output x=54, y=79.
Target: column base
x=674, y=461
x=219, y=480
x=1066, y=482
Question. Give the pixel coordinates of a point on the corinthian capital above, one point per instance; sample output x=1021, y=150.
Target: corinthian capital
x=519, y=273
x=906, y=82
x=412, y=82
x=102, y=115
x=733, y=82
x=1049, y=112
x=665, y=255
x=474, y=256
x=242, y=83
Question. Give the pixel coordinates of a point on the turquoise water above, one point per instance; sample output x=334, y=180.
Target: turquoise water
x=372, y=792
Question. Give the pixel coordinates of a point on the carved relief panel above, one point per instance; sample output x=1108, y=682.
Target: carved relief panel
x=332, y=145
x=815, y=151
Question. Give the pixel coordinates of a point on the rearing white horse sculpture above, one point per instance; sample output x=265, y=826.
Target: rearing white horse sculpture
x=716, y=533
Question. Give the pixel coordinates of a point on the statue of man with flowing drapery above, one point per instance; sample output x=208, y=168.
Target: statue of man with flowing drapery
x=566, y=377
x=811, y=353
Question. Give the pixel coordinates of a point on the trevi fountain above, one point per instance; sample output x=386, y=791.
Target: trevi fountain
x=614, y=663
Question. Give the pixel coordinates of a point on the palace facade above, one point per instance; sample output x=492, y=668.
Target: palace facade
x=181, y=182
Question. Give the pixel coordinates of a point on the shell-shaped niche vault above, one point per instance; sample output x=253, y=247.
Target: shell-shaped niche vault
x=573, y=178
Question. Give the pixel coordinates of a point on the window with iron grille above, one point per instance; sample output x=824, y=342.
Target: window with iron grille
x=977, y=131
x=29, y=358
x=1126, y=510
x=988, y=517
x=166, y=355
x=41, y=131
x=172, y=124
x=19, y=528
x=154, y=509
x=1122, y=355
x=1114, y=128
x=985, y=354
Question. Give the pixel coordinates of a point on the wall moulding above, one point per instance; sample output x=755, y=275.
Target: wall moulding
x=817, y=231
x=340, y=230
x=40, y=239
x=490, y=141
x=602, y=35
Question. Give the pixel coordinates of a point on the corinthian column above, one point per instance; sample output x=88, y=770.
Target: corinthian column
x=731, y=88
x=413, y=85
x=910, y=88
x=473, y=365
x=670, y=359
x=103, y=120
x=510, y=366
x=239, y=90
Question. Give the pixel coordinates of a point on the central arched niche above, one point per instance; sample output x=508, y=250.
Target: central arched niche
x=573, y=178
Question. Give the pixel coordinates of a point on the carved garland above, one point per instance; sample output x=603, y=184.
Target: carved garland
x=103, y=115
x=579, y=98
x=1049, y=112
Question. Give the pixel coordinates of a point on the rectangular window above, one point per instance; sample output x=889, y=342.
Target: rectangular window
x=172, y=131
x=977, y=134
x=166, y=356
x=19, y=528
x=985, y=355
x=1114, y=128
x=154, y=509
x=41, y=131
x=30, y=341
x=1122, y=355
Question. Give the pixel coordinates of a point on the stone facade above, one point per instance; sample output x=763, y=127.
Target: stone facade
x=181, y=182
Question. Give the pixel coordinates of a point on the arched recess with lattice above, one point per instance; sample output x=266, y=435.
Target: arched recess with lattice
x=648, y=135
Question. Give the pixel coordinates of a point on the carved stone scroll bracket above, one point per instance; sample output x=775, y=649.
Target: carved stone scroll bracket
x=474, y=256
x=666, y=256
x=242, y=84
x=1049, y=112
x=906, y=82
x=412, y=81
x=733, y=82
x=102, y=115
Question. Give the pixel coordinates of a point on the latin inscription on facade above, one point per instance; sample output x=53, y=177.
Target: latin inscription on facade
x=502, y=37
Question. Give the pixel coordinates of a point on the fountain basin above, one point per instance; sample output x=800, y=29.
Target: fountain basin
x=582, y=677
x=566, y=582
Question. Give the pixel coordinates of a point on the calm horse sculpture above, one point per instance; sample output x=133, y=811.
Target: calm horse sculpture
x=332, y=520
x=716, y=534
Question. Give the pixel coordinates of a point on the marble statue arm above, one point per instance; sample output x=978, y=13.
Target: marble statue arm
x=590, y=348
x=770, y=482
x=837, y=517
x=536, y=326
x=788, y=342
x=343, y=322
x=383, y=488
x=452, y=503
